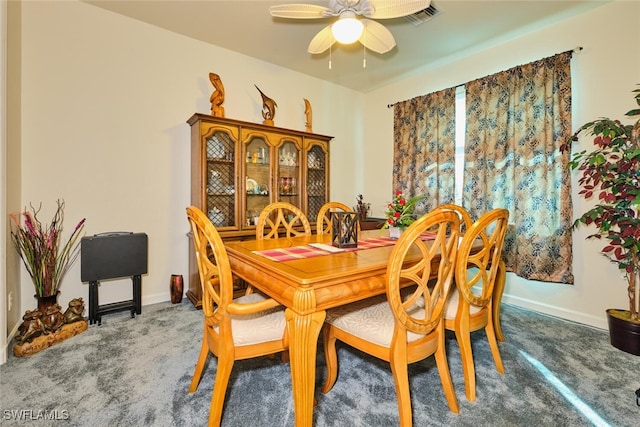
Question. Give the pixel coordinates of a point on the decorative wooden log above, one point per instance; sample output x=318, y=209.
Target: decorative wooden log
x=46, y=341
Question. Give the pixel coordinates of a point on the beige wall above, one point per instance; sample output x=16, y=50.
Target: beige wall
x=603, y=76
x=104, y=99
x=3, y=183
x=10, y=289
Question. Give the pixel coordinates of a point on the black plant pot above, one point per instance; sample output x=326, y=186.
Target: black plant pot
x=624, y=335
x=46, y=301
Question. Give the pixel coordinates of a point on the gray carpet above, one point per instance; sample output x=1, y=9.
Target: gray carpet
x=133, y=372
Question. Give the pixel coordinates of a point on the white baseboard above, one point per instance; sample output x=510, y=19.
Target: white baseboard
x=155, y=298
x=9, y=347
x=563, y=313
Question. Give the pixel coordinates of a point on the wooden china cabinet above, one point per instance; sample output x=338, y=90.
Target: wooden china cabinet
x=238, y=168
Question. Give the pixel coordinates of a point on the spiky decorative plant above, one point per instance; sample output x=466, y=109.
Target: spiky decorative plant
x=40, y=248
x=611, y=172
x=362, y=208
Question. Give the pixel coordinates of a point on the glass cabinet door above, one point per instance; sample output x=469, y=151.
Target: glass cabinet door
x=258, y=179
x=220, y=199
x=316, y=185
x=288, y=176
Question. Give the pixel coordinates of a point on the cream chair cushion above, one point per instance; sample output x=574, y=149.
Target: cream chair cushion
x=451, y=308
x=268, y=325
x=370, y=319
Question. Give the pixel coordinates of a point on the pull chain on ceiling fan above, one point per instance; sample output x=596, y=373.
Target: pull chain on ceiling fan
x=353, y=18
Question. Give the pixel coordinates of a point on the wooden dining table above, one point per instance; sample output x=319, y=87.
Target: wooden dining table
x=307, y=287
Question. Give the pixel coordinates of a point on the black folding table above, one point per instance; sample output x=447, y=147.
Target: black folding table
x=111, y=256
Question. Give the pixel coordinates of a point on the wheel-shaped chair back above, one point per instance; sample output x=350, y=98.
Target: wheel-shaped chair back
x=324, y=224
x=282, y=218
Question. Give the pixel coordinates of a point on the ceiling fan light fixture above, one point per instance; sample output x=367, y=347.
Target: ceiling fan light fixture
x=347, y=29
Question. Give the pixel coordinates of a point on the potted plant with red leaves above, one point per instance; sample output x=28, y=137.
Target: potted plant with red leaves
x=610, y=174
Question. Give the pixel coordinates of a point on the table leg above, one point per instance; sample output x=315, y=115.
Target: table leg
x=498, y=289
x=93, y=302
x=303, y=341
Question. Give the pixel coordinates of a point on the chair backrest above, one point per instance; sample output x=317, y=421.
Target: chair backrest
x=465, y=217
x=413, y=261
x=281, y=216
x=323, y=222
x=213, y=265
x=476, y=270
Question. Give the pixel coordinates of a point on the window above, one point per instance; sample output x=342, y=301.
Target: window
x=460, y=130
x=490, y=133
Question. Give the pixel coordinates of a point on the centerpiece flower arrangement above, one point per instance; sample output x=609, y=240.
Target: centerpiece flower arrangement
x=400, y=211
x=39, y=247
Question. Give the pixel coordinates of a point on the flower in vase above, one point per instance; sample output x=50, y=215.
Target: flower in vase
x=400, y=211
x=39, y=246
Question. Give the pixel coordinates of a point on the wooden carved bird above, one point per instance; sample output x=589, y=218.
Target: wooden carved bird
x=268, y=108
x=308, y=115
x=217, y=96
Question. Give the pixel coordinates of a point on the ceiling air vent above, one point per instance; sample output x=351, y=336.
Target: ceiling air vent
x=423, y=15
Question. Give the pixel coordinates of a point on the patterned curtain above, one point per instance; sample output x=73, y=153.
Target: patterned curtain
x=516, y=122
x=424, y=148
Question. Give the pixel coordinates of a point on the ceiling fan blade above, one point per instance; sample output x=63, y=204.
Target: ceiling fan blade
x=299, y=11
x=322, y=41
x=386, y=9
x=376, y=37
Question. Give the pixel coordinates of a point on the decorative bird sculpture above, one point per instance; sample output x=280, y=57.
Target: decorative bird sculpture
x=217, y=96
x=308, y=115
x=268, y=108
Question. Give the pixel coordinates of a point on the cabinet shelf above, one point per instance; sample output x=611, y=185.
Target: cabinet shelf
x=223, y=175
x=220, y=160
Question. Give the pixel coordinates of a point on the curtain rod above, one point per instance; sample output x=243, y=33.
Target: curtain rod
x=576, y=49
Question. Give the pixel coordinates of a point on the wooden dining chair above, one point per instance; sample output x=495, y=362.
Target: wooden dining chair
x=234, y=329
x=405, y=325
x=465, y=217
x=323, y=221
x=465, y=224
x=470, y=306
x=281, y=217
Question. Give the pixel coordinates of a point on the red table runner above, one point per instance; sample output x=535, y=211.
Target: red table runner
x=319, y=249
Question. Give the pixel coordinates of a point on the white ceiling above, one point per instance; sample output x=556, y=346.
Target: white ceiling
x=460, y=28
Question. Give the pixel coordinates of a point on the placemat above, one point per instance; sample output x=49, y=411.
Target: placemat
x=319, y=249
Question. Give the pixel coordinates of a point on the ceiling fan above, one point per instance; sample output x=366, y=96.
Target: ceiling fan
x=352, y=20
